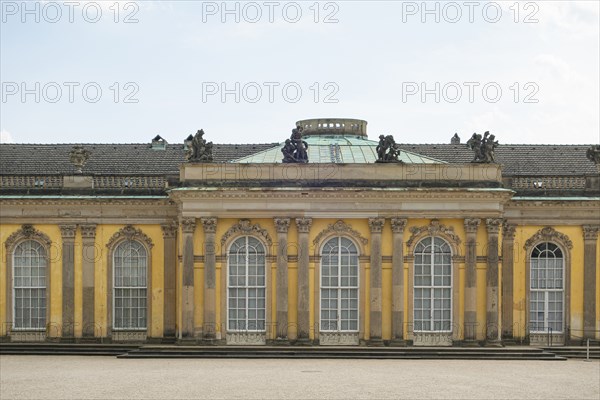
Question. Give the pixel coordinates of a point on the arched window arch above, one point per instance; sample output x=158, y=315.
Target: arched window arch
x=339, y=286
x=246, y=285
x=546, y=289
x=130, y=286
x=432, y=305
x=30, y=286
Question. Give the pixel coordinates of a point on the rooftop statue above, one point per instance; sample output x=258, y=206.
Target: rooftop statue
x=295, y=149
x=79, y=157
x=200, y=150
x=483, y=147
x=593, y=154
x=387, y=150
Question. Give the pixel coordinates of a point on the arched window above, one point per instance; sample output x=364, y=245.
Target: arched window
x=29, y=286
x=246, y=285
x=433, y=286
x=339, y=286
x=546, y=297
x=130, y=286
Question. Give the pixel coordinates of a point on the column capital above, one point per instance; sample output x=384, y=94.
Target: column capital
x=68, y=231
x=281, y=224
x=398, y=224
x=590, y=232
x=376, y=224
x=493, y=225
x=169, y=229
x=471, y=224
x=303, y=224
x=508, y=231
x=209, y=224
x=88, y=231
x=188, y=225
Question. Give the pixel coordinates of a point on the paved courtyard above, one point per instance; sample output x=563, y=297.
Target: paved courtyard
x=79, y=377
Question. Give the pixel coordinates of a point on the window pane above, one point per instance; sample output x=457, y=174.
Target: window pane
x=130, y=285
x=546, y=308
x=29, y=285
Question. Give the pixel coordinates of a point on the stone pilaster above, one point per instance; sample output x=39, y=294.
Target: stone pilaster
x=492, y=300
x=590, y=240
x=210, y=278
x=508, y=246
x=188, y=226
x=470, y=329
x=68, y=279
x=282, y=226
x=375, y=226
x=88, y=238
x=303, y=225
x=398, y=225
x=170, y=273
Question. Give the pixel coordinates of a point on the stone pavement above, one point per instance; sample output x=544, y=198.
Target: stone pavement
x=80, y=377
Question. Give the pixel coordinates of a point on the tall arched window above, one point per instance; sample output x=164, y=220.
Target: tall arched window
x=433, y=286
x=29, y=286
x=130, y=286
x=339, y=286
x=246, y=285
x=546, y=297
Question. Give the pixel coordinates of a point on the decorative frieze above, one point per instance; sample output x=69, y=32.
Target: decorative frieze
x=340, y=228
x=245, y=227
x=548, y=234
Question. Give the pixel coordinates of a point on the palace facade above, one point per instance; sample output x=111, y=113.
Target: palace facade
x=133, y=242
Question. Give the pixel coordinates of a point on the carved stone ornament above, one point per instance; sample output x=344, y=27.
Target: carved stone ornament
x=200, y=150
x=472, y=224
x=303, y=224
x=79, y=157
x=398, y=224
x=340, y=228
x=188, y=225
x=282, y=225
x=209, y=224
x=130, y=233
x=27, y=231
x=590, y=232
x=68, y=231
x=493, y=225
x=376, y=224
x=508, y=231
x=245, y=227
x=434, y=228
x=593, y=154
x=169, y=230
x=88, y=231
x=548, y=234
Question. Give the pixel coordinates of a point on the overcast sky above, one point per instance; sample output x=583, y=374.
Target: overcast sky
x=107, y=72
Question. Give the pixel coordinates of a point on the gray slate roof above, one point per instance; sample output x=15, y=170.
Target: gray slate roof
x=42, y=159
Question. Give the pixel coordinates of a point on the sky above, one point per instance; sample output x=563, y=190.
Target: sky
x=245, y=72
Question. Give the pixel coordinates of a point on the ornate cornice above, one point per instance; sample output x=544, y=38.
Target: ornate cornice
x=87, y=202
x=209, y=224
x=245, y=227
x=68, y=231
x=471, y=225
x=282, y=225
x=435, y=228
x=398, y=224
x=590, y=232
x=27, y=231
x=129, y=232
x=508, y=231
x=340, y=228
x=303, y=224
x=169, y=230
x=493, y=225
x=376, y=224
x=188, y=225
x=88, y=231
x=548, y=234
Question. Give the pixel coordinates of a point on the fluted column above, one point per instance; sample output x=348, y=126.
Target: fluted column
x=508, y=245
x=470, y=329
x=303, y=225
x=68, y=279
x=88, y=238
x=375, y=226
x=590, y=240
x=493, y=228
x=210, y=278
x=188, y=226
x=398, y=225
x=170, y=272
x=282, y=226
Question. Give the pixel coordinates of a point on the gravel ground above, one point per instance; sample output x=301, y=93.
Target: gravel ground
x=79, y=377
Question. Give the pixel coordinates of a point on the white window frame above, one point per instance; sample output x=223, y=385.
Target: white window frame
x=338, y=288
x=44, y=260
x=115, y=288
x=246, y=287
x=546, y=291
x=432, y=285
